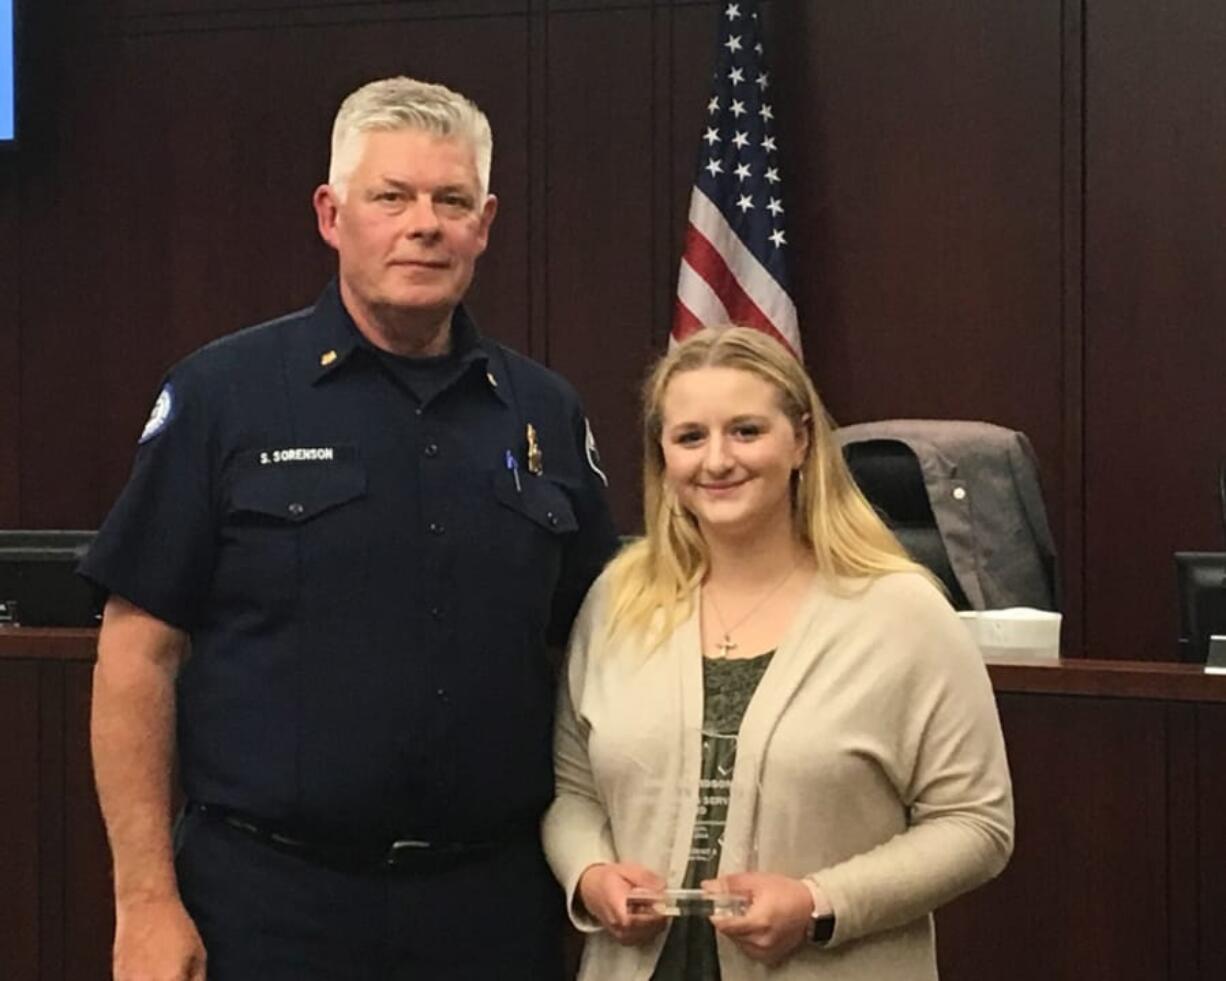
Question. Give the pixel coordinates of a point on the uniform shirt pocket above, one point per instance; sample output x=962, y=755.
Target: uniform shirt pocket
x=297, y=492
x=289, y=521
x=538, y=499
x=531, y=527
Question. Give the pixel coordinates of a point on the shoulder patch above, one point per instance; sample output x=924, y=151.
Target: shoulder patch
x=593, y=455
x=163, y=412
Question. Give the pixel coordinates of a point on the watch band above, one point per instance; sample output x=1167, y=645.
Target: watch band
x=821, y=928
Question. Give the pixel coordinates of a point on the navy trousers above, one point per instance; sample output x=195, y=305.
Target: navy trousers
x=266, y=915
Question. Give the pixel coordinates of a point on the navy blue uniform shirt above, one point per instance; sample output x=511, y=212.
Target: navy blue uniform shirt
x=369, y=581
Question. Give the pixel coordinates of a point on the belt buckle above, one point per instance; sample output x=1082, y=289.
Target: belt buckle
x=406, y=847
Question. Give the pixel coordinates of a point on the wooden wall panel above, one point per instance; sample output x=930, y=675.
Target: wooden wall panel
x=88, y=917
x=1112, y=774
x=10, y=343
x=19, y=817
x=1185, y=759
x=1155, y=306
x=923, y=167
x=209, y=171
x=1210, y=897
x=54, y=883
x=692, y=43
x=925, y=147
x=600, y=165
x=70, y=231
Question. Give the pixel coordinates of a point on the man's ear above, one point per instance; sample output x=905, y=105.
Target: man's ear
x=488, y=211
x=327, y=213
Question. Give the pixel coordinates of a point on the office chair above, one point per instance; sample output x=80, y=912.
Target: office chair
x=889, y=475
x=964, y=500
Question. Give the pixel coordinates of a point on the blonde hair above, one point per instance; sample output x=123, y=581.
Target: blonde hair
x=398, y=103
x=653, y=580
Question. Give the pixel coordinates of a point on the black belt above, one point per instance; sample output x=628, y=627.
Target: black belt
x=356, y=854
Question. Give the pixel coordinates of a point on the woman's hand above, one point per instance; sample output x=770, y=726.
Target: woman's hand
x=777, y=921
x=603, y=890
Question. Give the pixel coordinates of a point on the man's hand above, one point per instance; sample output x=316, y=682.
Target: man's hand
x=155, y=940
x=603, y=889
x=777, y=922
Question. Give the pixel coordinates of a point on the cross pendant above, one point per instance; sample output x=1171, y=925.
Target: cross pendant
x=724, y=646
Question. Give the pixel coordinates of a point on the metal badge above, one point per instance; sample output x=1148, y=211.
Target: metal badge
x=327, y=358
x=535, y=462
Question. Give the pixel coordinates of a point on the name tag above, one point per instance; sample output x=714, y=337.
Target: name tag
x=298, y=454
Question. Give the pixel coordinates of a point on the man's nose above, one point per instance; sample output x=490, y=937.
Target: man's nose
x=421, y=220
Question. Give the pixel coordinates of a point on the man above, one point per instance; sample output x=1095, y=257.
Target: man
x=365, y=522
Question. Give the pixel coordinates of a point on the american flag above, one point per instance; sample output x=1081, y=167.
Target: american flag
x=734, y=267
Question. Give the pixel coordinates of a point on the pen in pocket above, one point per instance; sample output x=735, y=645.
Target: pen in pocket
x=513, y=466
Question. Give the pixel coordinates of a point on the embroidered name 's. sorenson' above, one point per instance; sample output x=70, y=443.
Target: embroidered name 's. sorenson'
x=298, y=455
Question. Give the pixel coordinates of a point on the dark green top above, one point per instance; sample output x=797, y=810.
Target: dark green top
x=689, y=950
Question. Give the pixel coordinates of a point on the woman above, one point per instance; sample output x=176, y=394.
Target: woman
x=765, y=692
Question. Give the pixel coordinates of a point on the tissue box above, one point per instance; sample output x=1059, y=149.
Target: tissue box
x=1019, y=632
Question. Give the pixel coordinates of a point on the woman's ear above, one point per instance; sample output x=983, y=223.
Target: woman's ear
x=804, y=440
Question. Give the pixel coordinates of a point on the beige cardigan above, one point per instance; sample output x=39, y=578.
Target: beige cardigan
x=870, y=760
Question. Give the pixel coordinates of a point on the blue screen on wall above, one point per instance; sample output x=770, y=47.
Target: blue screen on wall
x=6, y=69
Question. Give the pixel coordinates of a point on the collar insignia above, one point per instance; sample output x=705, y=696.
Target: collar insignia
x=535, y=461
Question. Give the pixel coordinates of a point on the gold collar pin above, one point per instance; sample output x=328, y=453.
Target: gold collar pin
x=327, y=358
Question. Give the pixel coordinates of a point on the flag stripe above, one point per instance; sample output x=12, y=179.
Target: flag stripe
x=694, y=290
x=752, y=278
x=710, y=268
x=684, y=323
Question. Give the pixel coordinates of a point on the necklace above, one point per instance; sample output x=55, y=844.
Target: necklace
x=728, y=644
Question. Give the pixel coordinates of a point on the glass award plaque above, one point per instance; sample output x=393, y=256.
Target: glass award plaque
x=686, y=902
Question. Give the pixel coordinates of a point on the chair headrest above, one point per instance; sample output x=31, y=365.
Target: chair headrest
x=889, y=475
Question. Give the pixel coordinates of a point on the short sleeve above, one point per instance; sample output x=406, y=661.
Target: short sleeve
x=595, y=542
x=157, y=546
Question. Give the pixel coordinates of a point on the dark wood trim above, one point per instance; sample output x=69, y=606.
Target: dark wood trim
x=1182, y=849
x=228, y=17
x=48, y=644
x=1095, y=678
x=537, y=205
x=1072, y=288
x=53, y=882
x=10, y=343
x=1209, y=786
x=21, y=938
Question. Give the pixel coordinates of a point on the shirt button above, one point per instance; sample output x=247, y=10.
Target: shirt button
x=441, y=693
x=431, y=449
x=436, y=612
x=436, y=528
x=296, y=509
x=959, y=493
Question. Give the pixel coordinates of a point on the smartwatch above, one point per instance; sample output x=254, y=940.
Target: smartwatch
x=821, y=929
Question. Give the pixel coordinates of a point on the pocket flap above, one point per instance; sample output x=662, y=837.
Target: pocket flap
x=297, y=492
x=538, y=499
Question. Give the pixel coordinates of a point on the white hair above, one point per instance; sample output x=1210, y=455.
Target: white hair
x=391, y=104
